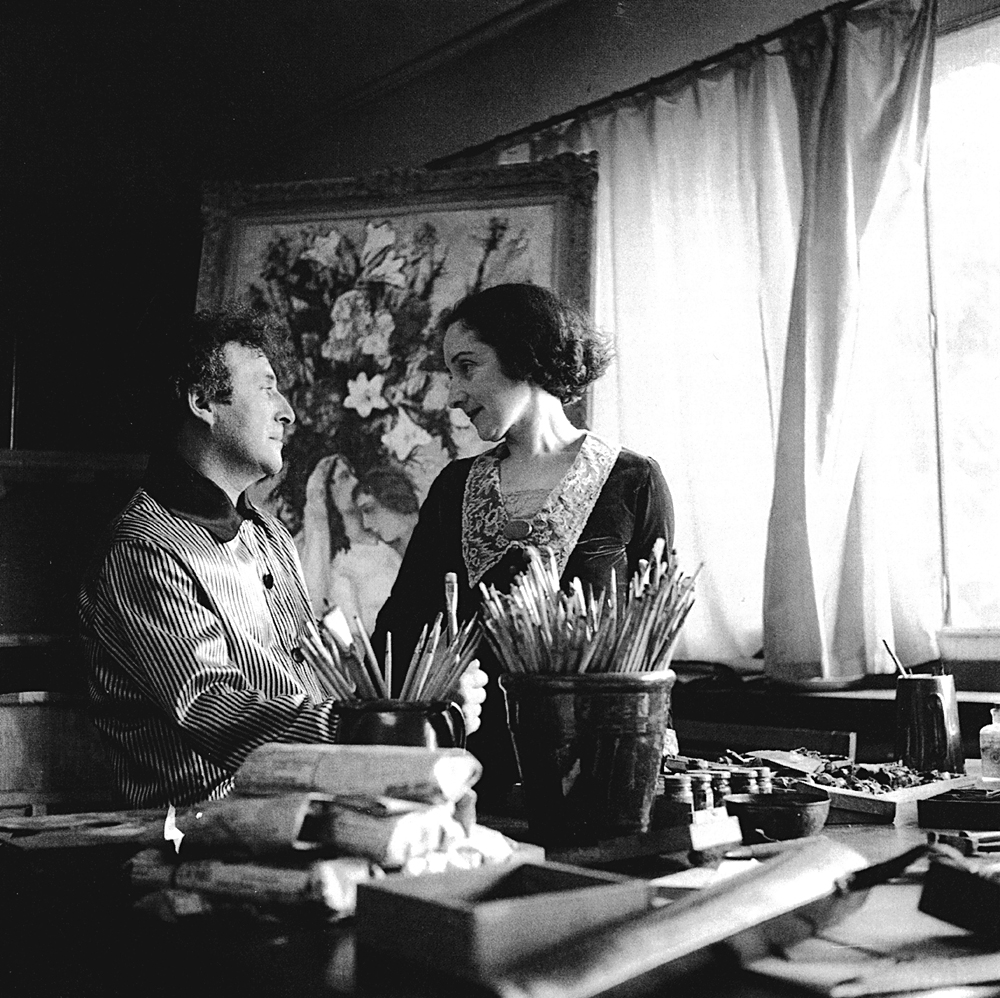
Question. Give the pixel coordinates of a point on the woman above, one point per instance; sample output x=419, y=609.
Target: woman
x=516, y=353
x=344, y=564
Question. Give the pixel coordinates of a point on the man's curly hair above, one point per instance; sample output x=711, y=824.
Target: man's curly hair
x=538, y=337
x=195, y=356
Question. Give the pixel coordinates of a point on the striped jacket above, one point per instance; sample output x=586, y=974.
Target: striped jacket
x=188, y=620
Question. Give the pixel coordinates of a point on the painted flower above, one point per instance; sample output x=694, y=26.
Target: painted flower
x=319, y=406
x=424, y=464
x=339, y=351
x=351, y=322
x=364, y=395
x=378, y=238
x=351, y=316
x=389, y=271
x=380, y=263
x=405, y=436
x=436, y=397
x=324, y=249
x=376, y=343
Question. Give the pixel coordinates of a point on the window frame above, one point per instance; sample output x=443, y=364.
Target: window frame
x=960, y=645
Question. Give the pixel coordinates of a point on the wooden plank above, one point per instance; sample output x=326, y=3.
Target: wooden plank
x=717, y=736
x=720, y=831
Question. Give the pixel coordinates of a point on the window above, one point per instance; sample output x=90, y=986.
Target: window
x=964, y=210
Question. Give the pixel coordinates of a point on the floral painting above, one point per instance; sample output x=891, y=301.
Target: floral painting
x=361, y=292
x=368, y=385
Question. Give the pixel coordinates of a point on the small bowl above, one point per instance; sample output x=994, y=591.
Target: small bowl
x=783, y=814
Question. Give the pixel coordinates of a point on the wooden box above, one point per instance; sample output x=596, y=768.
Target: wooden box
x=477, y=922
x=974, y=809
x=964, y=894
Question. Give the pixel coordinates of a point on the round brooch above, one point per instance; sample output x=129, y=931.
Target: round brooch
x=517, y=530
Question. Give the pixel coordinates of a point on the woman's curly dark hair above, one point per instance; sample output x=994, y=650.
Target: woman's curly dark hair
x=538, y=337
x=195, y=356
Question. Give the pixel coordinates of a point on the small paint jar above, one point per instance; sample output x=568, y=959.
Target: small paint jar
x=764, y=784
x=677, y=789
x=701, y=790
x=743, y=781
x=721, y=788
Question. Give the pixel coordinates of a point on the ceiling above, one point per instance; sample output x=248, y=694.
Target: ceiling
x=212, y=83
x=111, y=115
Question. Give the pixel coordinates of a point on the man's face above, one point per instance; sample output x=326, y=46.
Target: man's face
x=248, y=432
x=382, y=522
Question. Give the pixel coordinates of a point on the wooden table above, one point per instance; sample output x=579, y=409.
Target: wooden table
x=75, y=936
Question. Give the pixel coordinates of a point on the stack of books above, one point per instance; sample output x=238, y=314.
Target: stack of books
x=306, y=823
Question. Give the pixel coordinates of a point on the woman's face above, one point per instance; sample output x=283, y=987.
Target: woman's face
x=340, y=485
x=492, y=401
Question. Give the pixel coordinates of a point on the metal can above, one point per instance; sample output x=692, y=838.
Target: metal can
x=743, y=781
x=677, y=789
x=720, y=787
x=701, y=790
x=764, y=784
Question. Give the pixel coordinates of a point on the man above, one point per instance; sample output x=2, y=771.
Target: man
x=189, y=616
x=388, y=506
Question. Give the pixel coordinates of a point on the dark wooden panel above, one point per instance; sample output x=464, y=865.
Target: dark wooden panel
x=697, y=737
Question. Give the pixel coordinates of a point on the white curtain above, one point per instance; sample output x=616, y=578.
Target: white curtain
x=761, y=264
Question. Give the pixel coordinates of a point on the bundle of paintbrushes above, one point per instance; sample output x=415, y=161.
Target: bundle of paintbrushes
x=347, y=668
x=439, y=663
x=343, y=660
x=539, y=627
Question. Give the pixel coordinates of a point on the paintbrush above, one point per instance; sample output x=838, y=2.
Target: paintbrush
x=451, y=604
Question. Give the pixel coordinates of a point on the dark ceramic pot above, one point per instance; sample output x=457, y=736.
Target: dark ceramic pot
x=589, y=749
x=430, y=724
x=927, y=732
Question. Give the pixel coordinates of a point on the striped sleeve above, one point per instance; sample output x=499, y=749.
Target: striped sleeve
x=175, y=650
x=190, y=661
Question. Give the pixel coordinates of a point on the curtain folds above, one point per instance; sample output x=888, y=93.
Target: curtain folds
x=761, y=264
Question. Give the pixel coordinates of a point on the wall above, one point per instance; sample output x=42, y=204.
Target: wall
x=107, y=149
x=577, y=53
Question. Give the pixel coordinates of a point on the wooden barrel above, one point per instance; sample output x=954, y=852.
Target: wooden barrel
x=51, y=757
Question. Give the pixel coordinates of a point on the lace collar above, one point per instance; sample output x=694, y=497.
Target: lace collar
x=559, y=522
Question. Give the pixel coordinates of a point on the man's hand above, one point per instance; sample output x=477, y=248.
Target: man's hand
x=471, y=694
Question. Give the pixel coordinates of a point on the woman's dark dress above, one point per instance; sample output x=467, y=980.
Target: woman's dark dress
x=631, y=511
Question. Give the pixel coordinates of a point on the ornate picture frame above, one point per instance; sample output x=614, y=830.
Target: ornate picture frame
x=360, y=269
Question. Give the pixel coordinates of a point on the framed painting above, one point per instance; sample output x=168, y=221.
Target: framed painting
x=360, y=270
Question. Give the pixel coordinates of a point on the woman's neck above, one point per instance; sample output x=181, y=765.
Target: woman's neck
x=547, y=433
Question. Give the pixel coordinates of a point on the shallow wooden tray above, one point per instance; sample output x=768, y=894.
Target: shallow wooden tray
x=856, y=807
x=477, y=922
